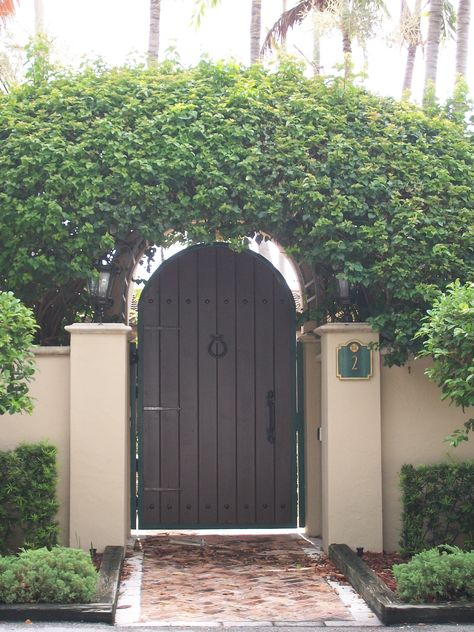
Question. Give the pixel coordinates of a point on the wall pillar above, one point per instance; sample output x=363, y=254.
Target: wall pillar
x=99, y=423
x=351, y=444
x=312, y=421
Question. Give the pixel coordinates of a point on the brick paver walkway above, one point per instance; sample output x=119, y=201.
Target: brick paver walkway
x=236, y=579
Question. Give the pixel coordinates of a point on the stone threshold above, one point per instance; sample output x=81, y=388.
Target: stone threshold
x=385, y=603
x=100, y=610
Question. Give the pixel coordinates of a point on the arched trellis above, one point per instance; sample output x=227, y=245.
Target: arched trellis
x=132, y=249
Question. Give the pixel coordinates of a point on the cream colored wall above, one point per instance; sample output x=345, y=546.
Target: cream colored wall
x=312, y=421
x=100, y=435
x=48, y=422
x=414, y=423
x=351, y=445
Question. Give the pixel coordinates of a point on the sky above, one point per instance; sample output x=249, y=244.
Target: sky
x=117, y=30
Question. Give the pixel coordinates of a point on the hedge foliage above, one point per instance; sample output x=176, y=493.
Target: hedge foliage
x=28, y=502
x=357, y=185
x=438, y=506
x=445, y=573
x=448, y=332
x=59, y=575
x=17, y=365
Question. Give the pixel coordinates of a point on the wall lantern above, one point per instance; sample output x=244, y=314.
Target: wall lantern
x=100, y=289
x=344, y=295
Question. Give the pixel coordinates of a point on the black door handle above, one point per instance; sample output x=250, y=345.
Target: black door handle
x=271, y=414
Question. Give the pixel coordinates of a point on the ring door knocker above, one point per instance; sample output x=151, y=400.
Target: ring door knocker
x=217, y=348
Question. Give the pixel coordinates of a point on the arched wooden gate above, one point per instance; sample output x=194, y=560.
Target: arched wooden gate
x=216, y=422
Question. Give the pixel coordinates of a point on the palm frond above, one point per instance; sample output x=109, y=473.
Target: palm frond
x=7, y=9
x=291, y=18
x=448, y=24
x=200, y=8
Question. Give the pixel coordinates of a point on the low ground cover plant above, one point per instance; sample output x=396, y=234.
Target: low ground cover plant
x=444, y=573
x=59, y=575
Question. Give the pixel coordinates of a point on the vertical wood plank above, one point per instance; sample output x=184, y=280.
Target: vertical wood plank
x=245, y=379
x=188, y=379
x=264, y=383
x=226, y=430
x=149, y=467
x=285, y=457
x=169, y=385
x=207, y=388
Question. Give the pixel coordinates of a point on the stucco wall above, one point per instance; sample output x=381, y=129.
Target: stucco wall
x=48, y=422
x=414, y=423
x=312, y=421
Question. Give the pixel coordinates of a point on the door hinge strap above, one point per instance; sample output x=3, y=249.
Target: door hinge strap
x=160, y=408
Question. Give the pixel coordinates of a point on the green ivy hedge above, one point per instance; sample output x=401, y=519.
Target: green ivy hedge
x=28, y=502
x=17, y=364
x=356, y=185
x=438, y=506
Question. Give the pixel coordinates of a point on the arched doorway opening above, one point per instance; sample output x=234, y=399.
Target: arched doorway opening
x=217, y=413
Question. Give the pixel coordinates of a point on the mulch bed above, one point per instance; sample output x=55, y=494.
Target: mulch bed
x=381, y=564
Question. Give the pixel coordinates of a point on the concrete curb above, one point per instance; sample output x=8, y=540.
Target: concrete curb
x=386, y=605
x=100, y=610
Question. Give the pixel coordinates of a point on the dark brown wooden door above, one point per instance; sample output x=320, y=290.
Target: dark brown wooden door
x=216, y=379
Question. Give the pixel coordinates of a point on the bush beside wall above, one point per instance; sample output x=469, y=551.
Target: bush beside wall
x=444, y=573
x=438, y=506
x=28, y=502
x=61, y=575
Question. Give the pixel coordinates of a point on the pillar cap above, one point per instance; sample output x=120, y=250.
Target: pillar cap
x=337, y=328
x=104, y=329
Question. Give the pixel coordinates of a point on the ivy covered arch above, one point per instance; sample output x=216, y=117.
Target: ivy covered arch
x=352, y=184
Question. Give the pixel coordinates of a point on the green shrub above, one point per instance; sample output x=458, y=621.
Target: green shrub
x=17, y=365
x=448, y=332
x=438, y=506
x=445, y=573
x=28, y=502
x=59, y=575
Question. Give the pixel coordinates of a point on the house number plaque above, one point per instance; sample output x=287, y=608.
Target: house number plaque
x=354, y=361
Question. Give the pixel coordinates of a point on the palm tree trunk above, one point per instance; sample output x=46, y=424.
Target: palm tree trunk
x=347, y=52
x=39, y=16
x=408, y=77
x=462, y=36
x=255, y=28
x=345, y=21
x=432, y=47
x=316, y=46
x=414, y=40
x=154, y=32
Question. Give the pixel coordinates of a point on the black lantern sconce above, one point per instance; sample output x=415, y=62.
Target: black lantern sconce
x=345, y=298
x=100, y=289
